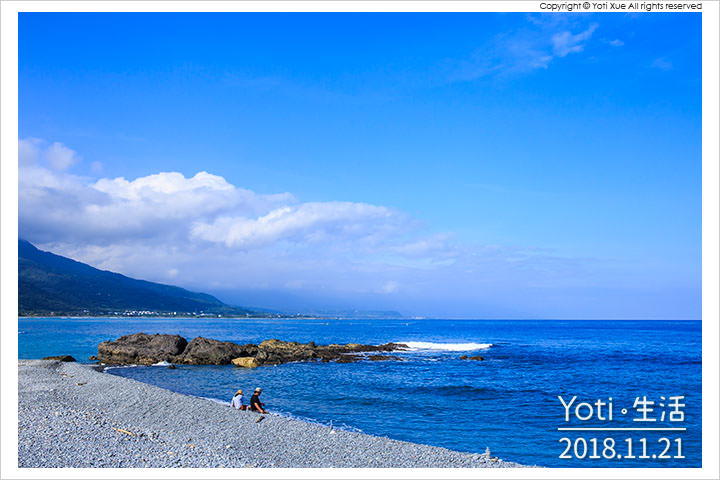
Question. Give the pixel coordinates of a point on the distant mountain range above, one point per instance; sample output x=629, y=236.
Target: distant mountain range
x=49, y=284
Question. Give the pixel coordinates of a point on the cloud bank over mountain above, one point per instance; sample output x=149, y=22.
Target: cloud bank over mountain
x=203, y=232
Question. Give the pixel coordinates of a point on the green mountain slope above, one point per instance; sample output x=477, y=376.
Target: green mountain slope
x=49, y=284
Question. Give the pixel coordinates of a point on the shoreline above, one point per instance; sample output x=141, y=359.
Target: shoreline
x=75, y=415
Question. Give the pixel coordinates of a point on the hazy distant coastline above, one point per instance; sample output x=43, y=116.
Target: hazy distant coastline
x=54, y=286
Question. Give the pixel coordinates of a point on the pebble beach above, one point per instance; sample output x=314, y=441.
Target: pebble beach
x=73, y=415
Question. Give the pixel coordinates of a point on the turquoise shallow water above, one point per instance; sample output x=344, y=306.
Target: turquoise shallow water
x=507, y=402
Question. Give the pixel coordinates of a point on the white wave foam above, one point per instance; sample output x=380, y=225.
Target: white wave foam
x=221, y=402
x=282, y=413
x=115, y=367
x=336, y=426
x=450, y=347
x=161, y=364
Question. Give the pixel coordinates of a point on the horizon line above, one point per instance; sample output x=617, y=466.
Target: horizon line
x=340, y=317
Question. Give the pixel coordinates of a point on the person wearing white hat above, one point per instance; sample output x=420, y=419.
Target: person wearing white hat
x=237, y=401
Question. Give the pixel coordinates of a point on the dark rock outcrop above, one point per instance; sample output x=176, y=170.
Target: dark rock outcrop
x=62, y=358
x=141, y=349
x=148, y=349
x=205, y=351
x=276, y=351
x=463, y=357
x=477, y=357
x=338, y=352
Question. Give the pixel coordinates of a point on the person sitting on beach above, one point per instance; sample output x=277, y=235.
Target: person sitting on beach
x=237, y=401
x=255, y=404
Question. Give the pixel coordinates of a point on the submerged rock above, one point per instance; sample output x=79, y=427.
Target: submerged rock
x=62, y=358
x=277, y=351
x=335, y=351
x=476, y=357
x=142, y=349
x=382, y=358
x=463, y=357
x=347, y=359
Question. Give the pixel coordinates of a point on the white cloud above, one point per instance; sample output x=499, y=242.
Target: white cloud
x=616, y=43
x=435, y=245
x=565, y=42
x=205, y=233
x=309, y=222
x=203, y=211
x=166, y=183
x=662, y=63
x=202, y=231
x=29, y=151
x=60, y=205
x=60, y=157
x=524, y=50
x=390, y=287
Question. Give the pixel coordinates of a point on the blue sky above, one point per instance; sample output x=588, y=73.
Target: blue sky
x=472, y=165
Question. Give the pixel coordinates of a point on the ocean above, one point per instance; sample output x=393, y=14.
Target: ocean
x=650, y=371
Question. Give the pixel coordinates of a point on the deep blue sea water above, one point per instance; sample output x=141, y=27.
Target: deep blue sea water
x=508, y=402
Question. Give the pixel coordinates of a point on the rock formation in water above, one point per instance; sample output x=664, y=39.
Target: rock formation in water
x=143, y=349
x=205, y=351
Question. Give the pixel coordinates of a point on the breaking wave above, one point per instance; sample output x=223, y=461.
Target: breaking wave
x=451, y=347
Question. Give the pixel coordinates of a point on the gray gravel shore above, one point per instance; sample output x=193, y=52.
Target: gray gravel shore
x=71, y=415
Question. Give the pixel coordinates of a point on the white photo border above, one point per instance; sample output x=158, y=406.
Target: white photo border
x=9, y=231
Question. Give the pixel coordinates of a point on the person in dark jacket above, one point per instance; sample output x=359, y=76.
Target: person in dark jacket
x=255, y=404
